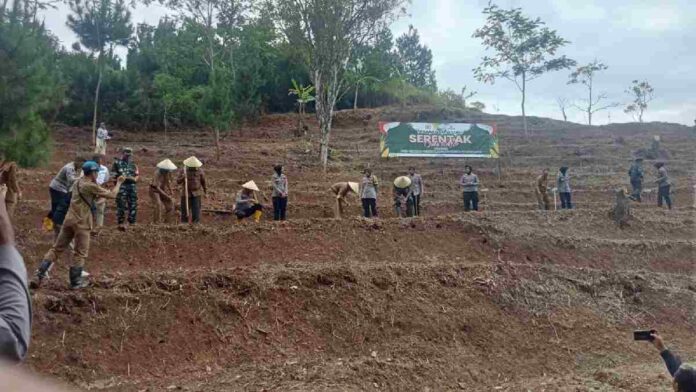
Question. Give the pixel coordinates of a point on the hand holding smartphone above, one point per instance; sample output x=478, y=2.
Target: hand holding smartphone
x=645, y=335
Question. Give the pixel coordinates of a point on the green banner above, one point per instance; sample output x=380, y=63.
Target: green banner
x=456, y=140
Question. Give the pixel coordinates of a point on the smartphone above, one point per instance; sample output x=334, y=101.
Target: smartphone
x=643, y=335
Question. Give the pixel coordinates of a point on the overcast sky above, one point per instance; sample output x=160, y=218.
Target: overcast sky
x=638, y=39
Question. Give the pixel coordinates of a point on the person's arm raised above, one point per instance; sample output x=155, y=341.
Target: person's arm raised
x=671, y=361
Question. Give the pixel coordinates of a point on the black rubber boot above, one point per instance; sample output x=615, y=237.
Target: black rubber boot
x=42, y=273
x=77, y=281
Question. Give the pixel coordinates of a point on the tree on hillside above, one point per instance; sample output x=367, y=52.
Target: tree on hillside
x=29, y=83
x=466, y=95
x=524, y=50
x=415, y=60
x=369, y=68
x=326, y=32
x=478, y=105
x=100, y=25
x=304, y=96
x=642, y=94
x=585, y=75
x=563, y=105
x=218, y=22
x=358, y=75
x=170, y=90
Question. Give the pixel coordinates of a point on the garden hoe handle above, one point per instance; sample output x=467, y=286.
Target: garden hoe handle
x=555, y=205
x=186, y=195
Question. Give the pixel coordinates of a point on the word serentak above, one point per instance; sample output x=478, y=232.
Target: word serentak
x=440, y=140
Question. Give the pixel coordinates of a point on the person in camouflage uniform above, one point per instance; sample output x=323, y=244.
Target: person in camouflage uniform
x=127, y=200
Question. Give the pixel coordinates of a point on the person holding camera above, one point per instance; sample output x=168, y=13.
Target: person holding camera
x=683, y=375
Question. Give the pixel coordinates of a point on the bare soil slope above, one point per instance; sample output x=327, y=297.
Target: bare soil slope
x=507, y=299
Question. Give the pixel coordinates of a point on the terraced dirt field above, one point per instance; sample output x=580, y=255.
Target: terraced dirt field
x=505, y=299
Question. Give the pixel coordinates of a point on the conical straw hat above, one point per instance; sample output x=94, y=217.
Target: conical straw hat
x=166, y=164
x=193, y=162
x=251, y=185
x=354, y=186
x=402, y=182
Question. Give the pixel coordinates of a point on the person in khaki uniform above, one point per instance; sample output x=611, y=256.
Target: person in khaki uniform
x=77, y=226
x=341, y=190
x=161, y=193
x=192, y=181
x=8, y=176
x=541, y=190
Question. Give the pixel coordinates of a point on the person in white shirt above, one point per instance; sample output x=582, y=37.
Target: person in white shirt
x=100, y=203
x=60, y=188
x=102, y=137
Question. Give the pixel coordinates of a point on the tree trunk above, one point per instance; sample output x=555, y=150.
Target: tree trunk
x=165, y=123
x=325, y=133
x=524, y=97
x=217, y=143
x=355, y=99
x=327, y=86
x=300, y=119
x=589, y=106
x=325, y=115
x=96, y=100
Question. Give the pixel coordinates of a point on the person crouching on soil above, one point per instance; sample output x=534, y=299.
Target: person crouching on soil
x=78, y=225
x=403, y=197
x=341, y=190
x=368, y=194
x=192, y=182
x=161, y=193
x=247, y=203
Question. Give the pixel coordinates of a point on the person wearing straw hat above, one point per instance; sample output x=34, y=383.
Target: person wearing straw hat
x=127, y=200
x=402, y=196
x=77, y=226
x=247, y=203
x=161, y=193
x=368, y=194
x=341, y=190
x=192, y=181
